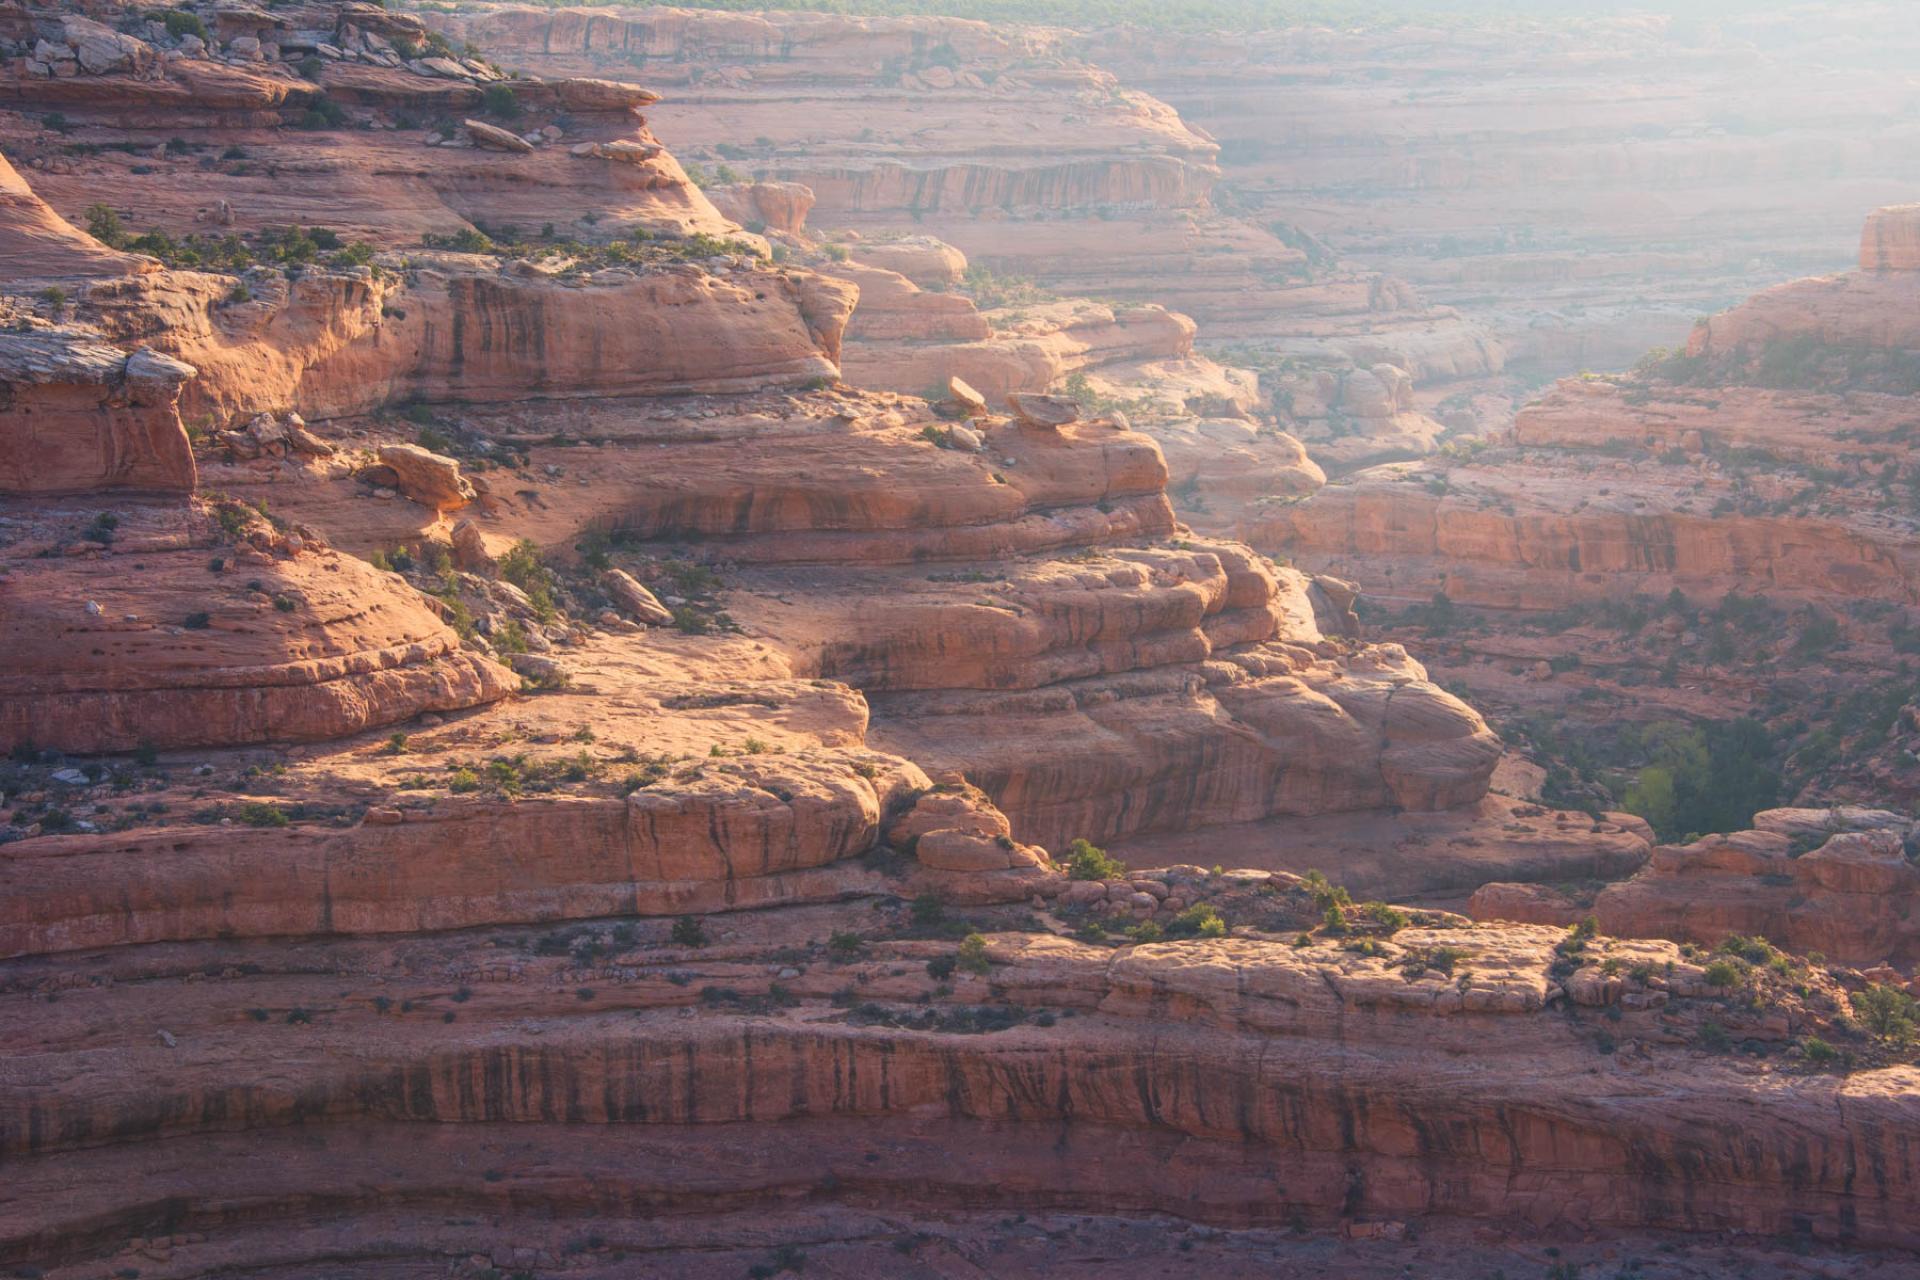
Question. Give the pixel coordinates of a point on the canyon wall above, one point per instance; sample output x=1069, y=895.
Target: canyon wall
x=513, y=765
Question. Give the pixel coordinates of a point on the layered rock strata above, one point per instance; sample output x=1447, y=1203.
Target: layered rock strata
x=365, y=954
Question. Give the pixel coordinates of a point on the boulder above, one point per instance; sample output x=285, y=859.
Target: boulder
x=620, y=151
x=1035, y=410
x=634, y=599
x=540, y=670
x=964, y=398
x=495, y=138
x=954, y=850
x=470, y=548
x=428, y=478
x=100, y=49
x=306, y=443
x=587, y=94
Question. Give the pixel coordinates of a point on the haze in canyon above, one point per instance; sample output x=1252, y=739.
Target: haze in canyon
x=943, y=638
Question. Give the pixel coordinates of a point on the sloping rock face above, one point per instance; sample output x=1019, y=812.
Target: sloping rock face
x=41, y=242
x=565, y=788
x=130, y=637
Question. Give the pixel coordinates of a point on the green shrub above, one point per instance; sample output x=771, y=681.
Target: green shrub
x=521, y=566
x=103, y=224
x=1325, y=893
x=1703, y=778
x=1086, y=861
x=1887, y=1012
x=689, y=931
x=1444, y=959
x=1198, y=921
x=1391, y=918
x=501, y=102
x=254, y=813
x=184, y=22
x=972, y=955
x=1724, y=973
x=325, y=113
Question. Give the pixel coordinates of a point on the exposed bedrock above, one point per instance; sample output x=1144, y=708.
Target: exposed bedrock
x=159, y=631
x=1280, y=1083
x=464, y=327
x=77, y=415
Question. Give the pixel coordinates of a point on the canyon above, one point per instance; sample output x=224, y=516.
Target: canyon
x=920, y=710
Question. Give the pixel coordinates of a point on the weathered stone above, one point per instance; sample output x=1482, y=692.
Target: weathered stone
x=431, y=479
x=969, y=401
x=495, y=138
x=1050, y=412
x=634, y=599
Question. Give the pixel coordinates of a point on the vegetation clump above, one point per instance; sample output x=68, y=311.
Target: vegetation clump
x=1087, y=861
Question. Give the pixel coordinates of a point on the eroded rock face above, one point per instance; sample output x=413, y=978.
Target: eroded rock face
x=1116, y=204
x=1891, y=239
x=1685, y=475
x=685, y=800
x=461, y=327
x=1258, y=1050
x=80, y=416
x=270, y=646
x=1835, y=881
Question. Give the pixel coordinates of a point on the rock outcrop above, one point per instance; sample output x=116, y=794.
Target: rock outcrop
x=1010, y=145
x=1837, y=882
x=81, y=416
x=1891, y=239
